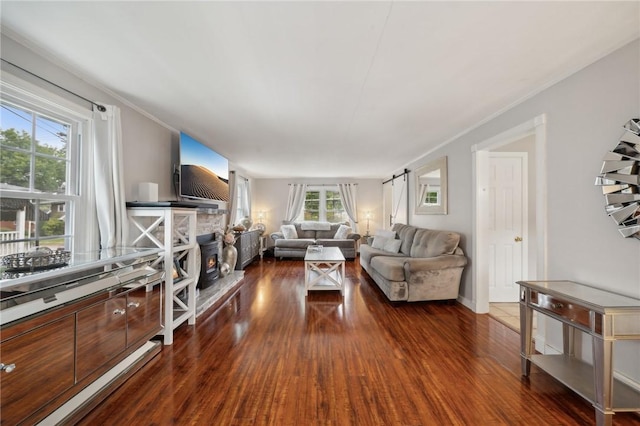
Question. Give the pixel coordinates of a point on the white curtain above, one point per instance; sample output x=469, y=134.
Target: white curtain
x=349, y=197
x=108, y=169
x=247, y=197
x=297, y=193
x=232, y=207
x=239, y=192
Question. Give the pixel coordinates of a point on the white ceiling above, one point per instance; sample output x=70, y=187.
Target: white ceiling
x=323, y=89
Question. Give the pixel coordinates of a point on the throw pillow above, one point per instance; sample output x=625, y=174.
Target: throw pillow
x=392, y=245
x=378, y=242
x=385, y=234
x=289, y=232
x=342, y=232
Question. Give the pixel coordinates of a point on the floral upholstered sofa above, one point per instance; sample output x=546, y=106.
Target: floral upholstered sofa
x=293, y=238
x=412, y=264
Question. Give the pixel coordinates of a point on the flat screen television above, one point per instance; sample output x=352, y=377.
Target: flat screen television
x=204, y=174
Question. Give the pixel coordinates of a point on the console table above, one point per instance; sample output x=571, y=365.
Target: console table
x=248, y=246
x=606, y=317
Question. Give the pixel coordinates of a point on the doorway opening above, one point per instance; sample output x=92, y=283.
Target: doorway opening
x=520, y=253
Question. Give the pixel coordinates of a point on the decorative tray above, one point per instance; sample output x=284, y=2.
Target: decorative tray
x=38, y=259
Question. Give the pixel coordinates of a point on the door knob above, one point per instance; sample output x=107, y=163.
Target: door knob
x=517, y=239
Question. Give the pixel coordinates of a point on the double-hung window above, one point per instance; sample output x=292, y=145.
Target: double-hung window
x=41, y=188
x=323, y=204
x=242, y=198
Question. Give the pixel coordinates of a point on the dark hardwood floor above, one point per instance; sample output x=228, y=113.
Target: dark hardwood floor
x=271, y=356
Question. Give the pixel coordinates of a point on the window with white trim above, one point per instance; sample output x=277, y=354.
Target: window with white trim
x=242, y=199
x=323, y=204
x=40, y=182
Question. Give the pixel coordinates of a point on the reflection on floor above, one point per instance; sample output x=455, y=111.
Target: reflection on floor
x=509, y=315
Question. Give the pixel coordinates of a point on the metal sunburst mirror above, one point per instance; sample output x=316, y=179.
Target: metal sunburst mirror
x=620, y=181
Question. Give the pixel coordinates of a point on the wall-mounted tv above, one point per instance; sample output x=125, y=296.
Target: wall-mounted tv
x=204, y=174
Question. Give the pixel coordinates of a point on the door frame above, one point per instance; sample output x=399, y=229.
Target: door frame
x=479, y=166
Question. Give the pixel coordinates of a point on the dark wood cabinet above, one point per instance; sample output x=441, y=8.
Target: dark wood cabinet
x=143, y=313
x=248, y=246
x=59, y=353
x=43, y=368
x=101, y=334
x=108, y=328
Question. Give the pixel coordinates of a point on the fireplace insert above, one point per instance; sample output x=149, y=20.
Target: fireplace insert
x=210, y=263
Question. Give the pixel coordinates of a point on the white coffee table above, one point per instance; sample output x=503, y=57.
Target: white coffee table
x=324, y=270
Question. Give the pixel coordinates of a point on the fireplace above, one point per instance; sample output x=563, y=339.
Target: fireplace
x=210, y=263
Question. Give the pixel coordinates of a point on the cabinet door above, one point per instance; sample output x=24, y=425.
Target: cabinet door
x=101, y=334
x=241, y=249
x=143, y=313
x=255, y=244
x=43, y=359
x=246, y=249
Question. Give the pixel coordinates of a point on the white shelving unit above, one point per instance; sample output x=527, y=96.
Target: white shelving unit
x=172, y=229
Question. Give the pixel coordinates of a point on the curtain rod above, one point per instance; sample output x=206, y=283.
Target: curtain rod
x=238, y=176
x=101, y=108
x=406, y=172
x=321, y=184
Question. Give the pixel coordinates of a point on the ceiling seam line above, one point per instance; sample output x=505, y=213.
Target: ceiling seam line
x=366, y=77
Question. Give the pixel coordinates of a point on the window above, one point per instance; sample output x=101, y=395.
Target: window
x=432, y=196
x=242, y=198
x=323, y=204
x=40, y=187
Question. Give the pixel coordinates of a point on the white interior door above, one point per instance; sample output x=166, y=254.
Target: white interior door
x=506, y=224
x=400, y=194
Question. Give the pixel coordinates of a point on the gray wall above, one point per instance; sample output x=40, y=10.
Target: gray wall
x=147, y=144
x=584, y=113
x=150, y=147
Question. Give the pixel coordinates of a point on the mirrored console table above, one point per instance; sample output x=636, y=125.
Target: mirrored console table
x=606, y=317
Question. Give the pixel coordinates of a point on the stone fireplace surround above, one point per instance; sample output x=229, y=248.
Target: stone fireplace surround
x=210, y=226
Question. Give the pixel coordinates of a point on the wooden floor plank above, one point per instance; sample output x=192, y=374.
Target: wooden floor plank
x=271, y=356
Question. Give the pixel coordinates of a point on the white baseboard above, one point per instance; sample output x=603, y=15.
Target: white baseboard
x=468, y=303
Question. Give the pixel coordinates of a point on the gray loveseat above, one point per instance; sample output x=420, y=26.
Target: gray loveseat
x=297, y=247
x=428, y=266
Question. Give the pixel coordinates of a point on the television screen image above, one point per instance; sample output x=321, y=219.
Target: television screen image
x=204, y=174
